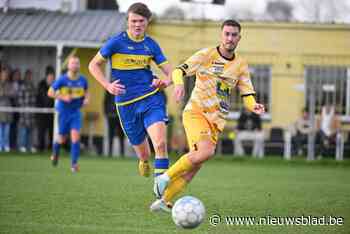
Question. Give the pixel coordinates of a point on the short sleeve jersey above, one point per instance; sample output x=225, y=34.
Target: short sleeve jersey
x=76, y=88
x=130, y=62
x=216, y=76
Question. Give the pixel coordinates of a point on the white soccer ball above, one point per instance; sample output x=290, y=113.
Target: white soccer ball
x=188, y=212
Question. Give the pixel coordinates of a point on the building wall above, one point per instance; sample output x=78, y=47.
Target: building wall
x=96, y=95
x=286, y=47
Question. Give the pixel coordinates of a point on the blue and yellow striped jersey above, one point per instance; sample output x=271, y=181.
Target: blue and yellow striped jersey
x=75, y=88
x=130, y=61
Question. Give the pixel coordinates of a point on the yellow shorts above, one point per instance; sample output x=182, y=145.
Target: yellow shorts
x=198, y=128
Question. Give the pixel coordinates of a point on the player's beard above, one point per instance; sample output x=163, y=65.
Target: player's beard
x=230, y=48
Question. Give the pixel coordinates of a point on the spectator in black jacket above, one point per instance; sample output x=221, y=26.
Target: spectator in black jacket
x=45, y=120
x=114, y=127
x=249, y=128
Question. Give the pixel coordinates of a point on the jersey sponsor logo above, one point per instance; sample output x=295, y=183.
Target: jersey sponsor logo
x=223, y=92
x=204, y=132
x=217, y=69
x=74, y=92
x=130, y=61
x=215, y=62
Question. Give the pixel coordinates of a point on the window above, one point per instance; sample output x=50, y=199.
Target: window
x=261, y=79
x=329, y=85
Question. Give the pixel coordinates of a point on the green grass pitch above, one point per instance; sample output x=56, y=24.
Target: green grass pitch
x=108, y=196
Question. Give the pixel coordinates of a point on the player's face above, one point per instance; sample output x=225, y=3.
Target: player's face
x=137, y=24
x=230, y=37
x=50, y=78
x=74, y=65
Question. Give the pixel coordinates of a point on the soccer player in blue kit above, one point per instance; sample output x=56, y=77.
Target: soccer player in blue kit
x=71, y=92
x=140, y=104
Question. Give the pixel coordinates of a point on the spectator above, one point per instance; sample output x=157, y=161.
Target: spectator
x=249, y=128
x=5, y=117
x=302, y=129
x=113, y=124
x=328, y=125
x=45, y=120
x=15, y=81
x=26, y=98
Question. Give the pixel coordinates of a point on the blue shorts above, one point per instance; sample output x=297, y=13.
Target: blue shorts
x=136, y=117
x=68, y=121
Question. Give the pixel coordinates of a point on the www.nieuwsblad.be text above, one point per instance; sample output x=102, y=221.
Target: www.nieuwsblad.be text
x=304, y=220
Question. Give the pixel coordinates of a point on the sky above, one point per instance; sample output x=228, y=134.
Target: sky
x=211, y=11
x=217, y=12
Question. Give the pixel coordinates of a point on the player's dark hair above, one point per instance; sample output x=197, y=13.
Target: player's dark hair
x=49, y=70
x=232, y=23
x=140, y=9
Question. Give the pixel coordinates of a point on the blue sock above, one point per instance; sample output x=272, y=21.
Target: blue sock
x=56, y=149
x=75, y=152
x=160, y=166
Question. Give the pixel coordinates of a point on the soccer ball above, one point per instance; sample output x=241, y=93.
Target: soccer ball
x=188, y=212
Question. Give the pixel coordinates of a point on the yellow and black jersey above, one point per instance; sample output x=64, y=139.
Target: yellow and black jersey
x=216, y=76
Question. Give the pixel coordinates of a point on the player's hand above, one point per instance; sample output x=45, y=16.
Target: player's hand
x=179, y=92
x=115, y=88
x=86, y=101
x=259, y=109
x=161, y=83
x=65, y=98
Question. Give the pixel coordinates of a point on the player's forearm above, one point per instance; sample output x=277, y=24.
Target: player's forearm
x=166, y=69
x=96, y=71
x=86, y=98
x=55, y=94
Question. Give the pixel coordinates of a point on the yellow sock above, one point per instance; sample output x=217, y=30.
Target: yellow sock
x=175, y=187
x=182, y=165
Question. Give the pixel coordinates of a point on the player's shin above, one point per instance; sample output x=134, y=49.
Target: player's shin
x=175, y=187
x=55, y=154
x=182, y=165
x=56, y=149
x=75, y=152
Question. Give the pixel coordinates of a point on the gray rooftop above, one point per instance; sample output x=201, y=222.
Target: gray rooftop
x=43, y=28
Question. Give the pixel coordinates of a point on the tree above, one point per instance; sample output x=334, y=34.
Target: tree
x=323, y=10
x=104, y=5
x=174, y=12
x=242, y=14
x=279, y=10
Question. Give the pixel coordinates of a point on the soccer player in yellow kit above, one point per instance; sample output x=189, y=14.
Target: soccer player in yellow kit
x=218, y=70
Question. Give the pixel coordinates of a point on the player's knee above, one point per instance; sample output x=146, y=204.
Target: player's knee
x=61, y=139
x=75, y=136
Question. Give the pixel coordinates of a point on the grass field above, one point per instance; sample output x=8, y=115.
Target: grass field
x=108, y=196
